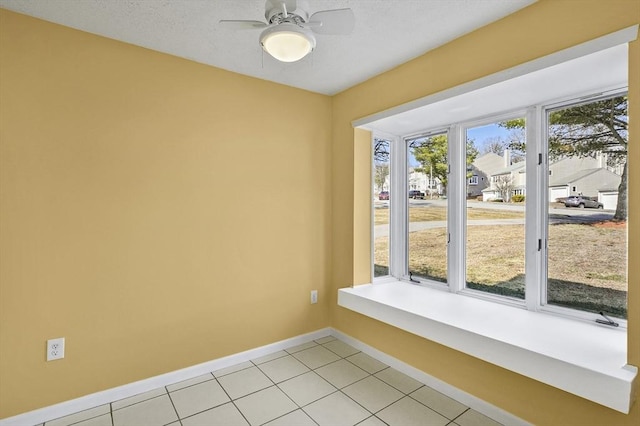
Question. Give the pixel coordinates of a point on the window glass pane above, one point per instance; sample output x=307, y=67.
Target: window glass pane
x=496, y=190
x=587, y=232
x=427, y=207
x=381, y=191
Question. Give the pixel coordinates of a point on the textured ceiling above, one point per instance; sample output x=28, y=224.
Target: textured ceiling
x=387, y=33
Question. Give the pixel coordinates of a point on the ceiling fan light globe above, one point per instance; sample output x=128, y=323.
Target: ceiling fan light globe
x=287, y=43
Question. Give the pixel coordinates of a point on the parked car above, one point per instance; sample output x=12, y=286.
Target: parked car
x=384, y=195
x=581, y=201
x=414, y=193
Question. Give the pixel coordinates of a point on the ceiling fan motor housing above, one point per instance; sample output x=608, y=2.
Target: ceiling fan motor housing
x=276, y=13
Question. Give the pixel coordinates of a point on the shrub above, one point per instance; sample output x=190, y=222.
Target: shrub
x=518, y=198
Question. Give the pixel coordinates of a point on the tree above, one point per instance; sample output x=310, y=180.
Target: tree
x=504, y=185
x=381, y=150
x=495, y=145
x=431, y=153
x=381, y=173
x=587, y=130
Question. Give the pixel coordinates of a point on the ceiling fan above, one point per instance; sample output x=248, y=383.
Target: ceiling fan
x=288, y=34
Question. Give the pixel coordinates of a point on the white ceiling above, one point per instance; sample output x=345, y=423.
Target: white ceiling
x=387, y=33
x=586, y=75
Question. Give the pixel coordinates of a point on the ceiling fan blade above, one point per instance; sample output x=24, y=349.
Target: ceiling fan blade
x=242, y=25
x=337, y=21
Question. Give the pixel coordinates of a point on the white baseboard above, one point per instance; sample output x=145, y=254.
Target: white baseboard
x=104, y=397
x=467, y=399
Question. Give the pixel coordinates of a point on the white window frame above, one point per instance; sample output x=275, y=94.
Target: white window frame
x=536, y=207
x=390, y=139
x=402, y=213
x=543, y=306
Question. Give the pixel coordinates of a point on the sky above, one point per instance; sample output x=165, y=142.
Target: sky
x=480, y=135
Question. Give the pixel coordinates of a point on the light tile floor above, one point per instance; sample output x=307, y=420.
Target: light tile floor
x=324, y=382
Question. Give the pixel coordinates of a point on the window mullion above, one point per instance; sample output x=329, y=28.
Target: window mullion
x=535, y=204
x=455, y=195
x=398, y=209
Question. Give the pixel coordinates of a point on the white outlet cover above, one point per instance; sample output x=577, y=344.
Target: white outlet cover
x=55, y=349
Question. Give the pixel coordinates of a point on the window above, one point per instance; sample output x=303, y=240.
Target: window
x=427, y=206
x=381, y=197
x=515, y=237
x=587, y=250
x=495, y=226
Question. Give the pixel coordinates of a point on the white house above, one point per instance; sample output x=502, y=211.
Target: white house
x=480, y=172
x=590, y=176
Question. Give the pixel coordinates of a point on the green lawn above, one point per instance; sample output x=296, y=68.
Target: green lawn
x=587, y=264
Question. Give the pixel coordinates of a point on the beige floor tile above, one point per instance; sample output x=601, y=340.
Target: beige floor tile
x=341, y=373
x=153, y=412
x=372, y=421
x=244, y=382
x=307, y=388
x=197, y=398
x=340, y=348
x=367, y=363
x=233, y=369
x=224, y=415
x=325, y=339
x=336, y=409
x=103, y=420
x=282, y=369
x=270, y=357
x=265, y=405
x=137, y=398
x=409, y=412
x=373, y=394
x=296, y=418
x=398, y=380
x=301, y=347
x=450, y=408
x=190, y=382
x=80, y=416
x=473, y=418
x=316, y=357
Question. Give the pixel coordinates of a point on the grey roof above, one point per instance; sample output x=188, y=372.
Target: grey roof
x=488, y=163
x=562, y=181
x=515, y=167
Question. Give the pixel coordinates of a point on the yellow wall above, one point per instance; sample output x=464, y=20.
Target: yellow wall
x=157, y=206
x=156, y=212
x=538, y=30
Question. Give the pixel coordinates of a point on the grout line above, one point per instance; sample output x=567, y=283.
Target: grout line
x=188, y=386
x=242, y=369
x=283, y=392
x=233, y=402
x=79, y=421
x=460, y=415
x=138, y=402
x=300, y=350
x=433, y=409
x=372, y=416
x=172, y=404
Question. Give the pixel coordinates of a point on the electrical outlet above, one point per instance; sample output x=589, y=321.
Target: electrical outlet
x=314, y=296
x=55, y=349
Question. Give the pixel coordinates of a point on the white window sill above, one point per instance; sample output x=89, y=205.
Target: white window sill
x=581, y=358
